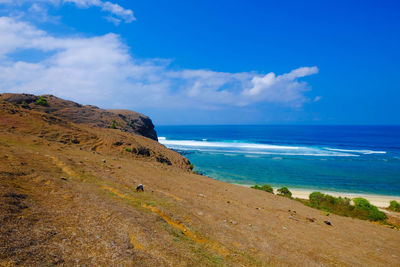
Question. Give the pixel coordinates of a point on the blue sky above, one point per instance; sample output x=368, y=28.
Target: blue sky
x=210, y=62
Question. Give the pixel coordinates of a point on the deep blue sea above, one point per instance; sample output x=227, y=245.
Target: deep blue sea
x=354, y=159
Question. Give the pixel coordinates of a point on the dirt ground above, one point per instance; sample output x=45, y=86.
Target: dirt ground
x=74, y=203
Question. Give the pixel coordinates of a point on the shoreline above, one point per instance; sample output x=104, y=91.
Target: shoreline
x=381, y=201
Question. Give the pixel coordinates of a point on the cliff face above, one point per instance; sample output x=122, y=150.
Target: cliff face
x=125, y=120
x=136, y=123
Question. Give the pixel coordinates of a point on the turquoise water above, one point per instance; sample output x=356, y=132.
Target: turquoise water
x=356, y=159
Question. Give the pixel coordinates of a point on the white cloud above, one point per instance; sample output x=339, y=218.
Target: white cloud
x=112, y=8
x=100, y=70
x=117, y=12
x=317, y=98
x=281, y=88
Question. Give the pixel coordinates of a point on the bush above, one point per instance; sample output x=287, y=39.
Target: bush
x=361, y=209
x=191, y=166
x=330, y=203
x=284, y=191
x=42, y=101
x=127, y=149
x=365, y=210
x=266, y=188
x=24, y=104
x=316, y=198
x=394, y=205
x=113, y=125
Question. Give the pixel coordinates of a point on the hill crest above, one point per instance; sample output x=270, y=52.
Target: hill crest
x=125, y=120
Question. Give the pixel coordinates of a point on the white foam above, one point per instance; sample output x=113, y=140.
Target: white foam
x=365, y=152
x=252, y=156
x=192, y=143
x=162, y=138
x=253, y=148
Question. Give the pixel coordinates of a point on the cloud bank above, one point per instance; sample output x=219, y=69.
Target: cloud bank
x=102, y=70
x=116, y=12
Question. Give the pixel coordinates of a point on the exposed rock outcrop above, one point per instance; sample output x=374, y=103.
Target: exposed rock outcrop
x=136, y=122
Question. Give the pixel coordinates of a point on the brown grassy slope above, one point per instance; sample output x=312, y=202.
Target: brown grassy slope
x=61, y=204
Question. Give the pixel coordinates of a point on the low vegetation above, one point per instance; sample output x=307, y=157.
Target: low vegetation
x=361, y=209
x=266, y=188
x=285, y=192
x=394, y=206
x=365, y=210
x=24, y=104
x=41, y=101
x=115, y=124
x=140, y=151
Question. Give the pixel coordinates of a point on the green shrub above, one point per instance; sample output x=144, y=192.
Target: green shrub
x=266, y=188
x=113, y=125
x=365, y=210
x=284, y=191
x=361, y=209
x=191, y=166
x=394, y=205
x=127, y=149
x=24, y=104
x=316, y=198
x=330, y=203
x=42, y=101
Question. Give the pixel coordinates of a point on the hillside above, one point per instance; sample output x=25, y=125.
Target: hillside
x=68, y=175
x=124, y=120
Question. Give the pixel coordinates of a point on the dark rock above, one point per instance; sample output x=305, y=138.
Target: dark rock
x=118, y=143
x=163, y=160
x=142, y=151
x=136, y=123
x=328, y=223
x=15, y=195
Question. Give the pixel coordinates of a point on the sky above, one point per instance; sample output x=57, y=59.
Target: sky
x=209, y=62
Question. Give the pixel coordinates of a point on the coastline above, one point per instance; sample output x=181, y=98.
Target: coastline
x=381, y=201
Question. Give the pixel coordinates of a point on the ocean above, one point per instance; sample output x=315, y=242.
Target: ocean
x=352, y=159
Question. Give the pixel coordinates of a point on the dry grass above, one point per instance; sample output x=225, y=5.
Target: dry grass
x=61, y=204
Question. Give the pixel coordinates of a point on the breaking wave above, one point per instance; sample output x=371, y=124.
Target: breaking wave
x=254, y=148
x=365, y=152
